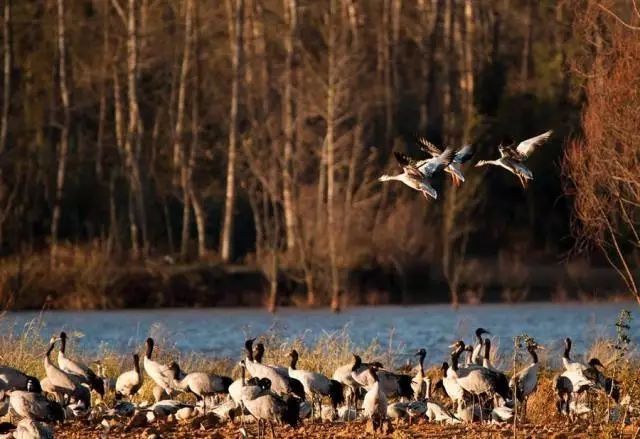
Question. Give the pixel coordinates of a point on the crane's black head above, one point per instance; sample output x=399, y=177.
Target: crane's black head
x=149, y=344
x=259, y=353
x=372, y=371
x=264, y=383
x=63, y=341
x=377, y=364
x=567, y=348
x=33, y=385
x=444, y=367
x=595, y=362
x=458, y=346
x=248, y=345
x=421, y=353
x=481, y=331
x=175, y=368
x=357, y=362
x=294, y=358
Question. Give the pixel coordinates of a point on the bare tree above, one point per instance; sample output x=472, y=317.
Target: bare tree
x=6, y=74
x=63, y=147
x=603, y=168
x=236, y=28
x=179, y=141
x=291, y=18
x=195, y=196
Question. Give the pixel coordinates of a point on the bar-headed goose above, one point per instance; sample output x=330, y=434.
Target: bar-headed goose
x=512, y=157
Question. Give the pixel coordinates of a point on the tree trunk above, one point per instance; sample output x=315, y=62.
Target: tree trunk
x=434, y=110
x=132, y=138
x=230, y=195
x=468, y=81
x=198, y=209
x=102, y=112
x=358, y=131
x=385, y=53
x=179, y=143
x=525, y=61
x=64, y=135
x=114, y=235
x=290, y=8
x=424, y=13
x=331, y=189
x=6, y=74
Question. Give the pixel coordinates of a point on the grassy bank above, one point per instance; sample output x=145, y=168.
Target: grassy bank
x=88, y=278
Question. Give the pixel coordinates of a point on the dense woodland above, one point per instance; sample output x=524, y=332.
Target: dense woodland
x=156, y=135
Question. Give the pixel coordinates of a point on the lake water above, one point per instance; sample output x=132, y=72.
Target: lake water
x=220, y=332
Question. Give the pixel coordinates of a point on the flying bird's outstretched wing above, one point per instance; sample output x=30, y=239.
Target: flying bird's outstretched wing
x=526, y=147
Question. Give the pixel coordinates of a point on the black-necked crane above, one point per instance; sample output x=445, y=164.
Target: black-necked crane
x=477, y=354
x=201, y=385
x=392, y=384
x=12, y=378
x=419, y=383
x=526, y=380
x=478, y=380
x=77, y=369
x=315, y=384
x=158, y=372
x=258, y=356
x=128, y=383
x=32, y=404
x=374, y=405
x=279, y=384
x=65, y=386
x=451, y=386
x=266, y=406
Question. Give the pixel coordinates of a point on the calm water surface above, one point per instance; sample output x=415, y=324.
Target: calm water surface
x=221, y=332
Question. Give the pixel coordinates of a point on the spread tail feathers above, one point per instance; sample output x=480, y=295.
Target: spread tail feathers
x=292, y=413
x=404, y=386
x=336, y=393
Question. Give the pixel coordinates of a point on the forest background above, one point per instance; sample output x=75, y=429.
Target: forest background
x=203, y=153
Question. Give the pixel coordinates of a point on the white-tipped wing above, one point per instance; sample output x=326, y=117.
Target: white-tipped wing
x=526, y=147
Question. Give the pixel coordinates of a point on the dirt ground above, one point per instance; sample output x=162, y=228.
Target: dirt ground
x=357, y=429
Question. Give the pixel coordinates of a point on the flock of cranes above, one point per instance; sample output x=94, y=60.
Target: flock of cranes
x=468, y=388
x=418, y=174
